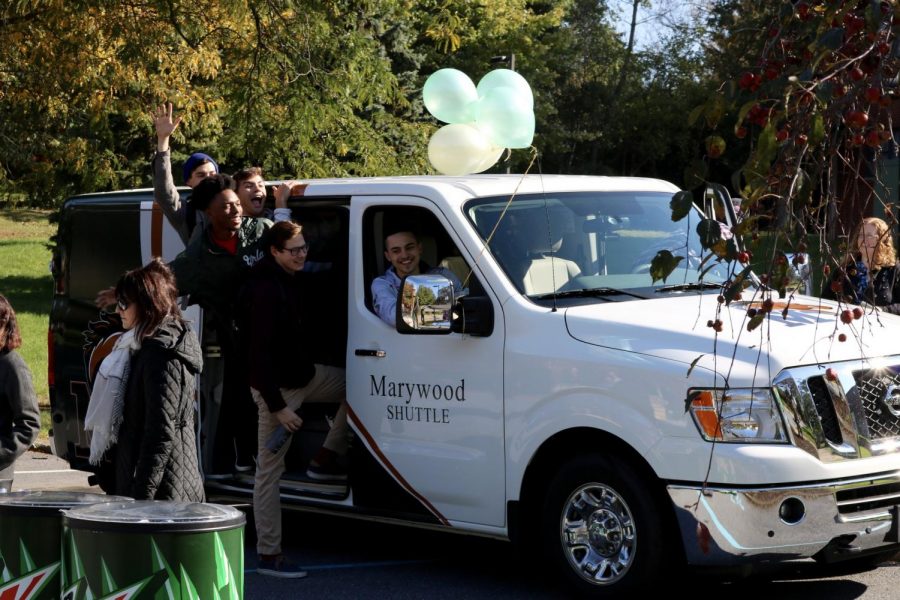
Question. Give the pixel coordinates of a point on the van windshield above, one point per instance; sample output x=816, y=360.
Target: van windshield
x=571, y=242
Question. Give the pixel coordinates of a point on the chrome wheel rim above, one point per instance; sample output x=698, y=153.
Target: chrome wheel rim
x=598, y=534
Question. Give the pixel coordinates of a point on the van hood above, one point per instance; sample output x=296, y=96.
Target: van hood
x=675, y=328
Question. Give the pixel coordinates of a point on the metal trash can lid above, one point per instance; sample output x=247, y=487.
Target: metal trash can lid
x=38, y=501
x=154, y=516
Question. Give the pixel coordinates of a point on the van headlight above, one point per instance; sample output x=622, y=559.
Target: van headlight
x=737, y=415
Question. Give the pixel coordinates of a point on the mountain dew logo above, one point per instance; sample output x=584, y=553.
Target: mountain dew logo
x=28, y=586
x=109, y=566
x=32, y=581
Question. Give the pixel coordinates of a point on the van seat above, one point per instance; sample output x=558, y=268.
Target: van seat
x=458, y=266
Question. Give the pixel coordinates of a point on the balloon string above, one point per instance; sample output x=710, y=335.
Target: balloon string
x=490, y=237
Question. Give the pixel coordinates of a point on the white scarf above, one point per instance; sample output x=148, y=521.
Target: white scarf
x=104, y=413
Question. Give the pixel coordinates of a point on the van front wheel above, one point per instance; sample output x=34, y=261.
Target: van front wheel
x=602, y=528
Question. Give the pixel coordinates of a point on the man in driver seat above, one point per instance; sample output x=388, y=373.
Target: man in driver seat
x=403, y=250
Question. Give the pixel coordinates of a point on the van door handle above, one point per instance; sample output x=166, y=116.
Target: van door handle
x=373, y=353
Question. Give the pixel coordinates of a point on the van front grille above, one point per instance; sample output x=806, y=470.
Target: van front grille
x=852, y=413
x=825, y=408
x=872, y=385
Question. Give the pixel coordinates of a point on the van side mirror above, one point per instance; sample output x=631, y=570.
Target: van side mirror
x=424, y=304
x=427, y=304
x=473, y=315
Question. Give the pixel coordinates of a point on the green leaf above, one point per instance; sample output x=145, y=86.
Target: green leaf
x=737, y=286
x=817, y=130
x=747, y=225
x=695, y=114
x=691, y=368
x=715, y=111
x=663, y=264
x=767, y=145
x=710, y=232
x=755, y=321
x=681, y=204
x=744, y=110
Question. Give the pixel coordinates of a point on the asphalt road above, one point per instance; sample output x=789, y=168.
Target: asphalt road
x=349, y=558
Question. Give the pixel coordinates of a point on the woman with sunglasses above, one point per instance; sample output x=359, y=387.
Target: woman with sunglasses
x=152, y=422
x=19, y=417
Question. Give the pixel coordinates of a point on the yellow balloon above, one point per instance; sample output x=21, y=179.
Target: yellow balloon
x=460, y=149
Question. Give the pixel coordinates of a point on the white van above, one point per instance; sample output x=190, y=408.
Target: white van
x=566, y=399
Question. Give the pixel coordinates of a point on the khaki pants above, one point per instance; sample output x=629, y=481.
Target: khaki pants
x=328, y=385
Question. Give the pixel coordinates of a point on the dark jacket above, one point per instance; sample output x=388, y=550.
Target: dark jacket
x=211, y=275
x=156, y=457
x=274, y=306
x=20, y=420
x=883, y=290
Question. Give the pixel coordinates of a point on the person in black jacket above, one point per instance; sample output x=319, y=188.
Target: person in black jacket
x=156, y=456
x=19, y=417
x=283, y=375
x=871, y=274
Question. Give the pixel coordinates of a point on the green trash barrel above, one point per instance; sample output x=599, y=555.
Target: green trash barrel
x=30, y=529
x=153, y=549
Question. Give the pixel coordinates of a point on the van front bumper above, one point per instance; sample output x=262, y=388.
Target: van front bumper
x=830, y=521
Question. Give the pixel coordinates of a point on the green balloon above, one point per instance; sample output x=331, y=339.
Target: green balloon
x=450, y=96
x=507, y=79
x=505, y=118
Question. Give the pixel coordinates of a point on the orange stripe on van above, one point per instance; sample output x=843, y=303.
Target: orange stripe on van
x=379, y=455
x=156, y=226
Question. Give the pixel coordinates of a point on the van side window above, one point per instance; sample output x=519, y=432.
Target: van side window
x=326, y=230
x=97, y=230
x=438, y=249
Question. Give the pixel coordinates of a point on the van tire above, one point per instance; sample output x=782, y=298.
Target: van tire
x=601, y=528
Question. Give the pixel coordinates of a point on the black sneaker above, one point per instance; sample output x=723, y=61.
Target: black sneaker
x=279, y=566
x=332, y=472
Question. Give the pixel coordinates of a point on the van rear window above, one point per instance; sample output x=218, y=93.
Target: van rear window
x=103, y=242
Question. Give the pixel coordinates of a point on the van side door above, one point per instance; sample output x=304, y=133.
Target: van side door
x=428, y=409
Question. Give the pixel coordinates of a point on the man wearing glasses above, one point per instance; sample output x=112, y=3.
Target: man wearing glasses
x=283, y=375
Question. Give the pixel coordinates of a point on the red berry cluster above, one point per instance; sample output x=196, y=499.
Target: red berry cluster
x=848, y=316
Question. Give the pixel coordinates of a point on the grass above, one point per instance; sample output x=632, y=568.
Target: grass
x=25, y=281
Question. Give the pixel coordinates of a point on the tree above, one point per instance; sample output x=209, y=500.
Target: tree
x=425, y=296
x=319, y=88
x=811, y=105
x=303, y=89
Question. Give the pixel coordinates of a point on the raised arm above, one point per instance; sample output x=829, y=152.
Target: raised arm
x=164, y=191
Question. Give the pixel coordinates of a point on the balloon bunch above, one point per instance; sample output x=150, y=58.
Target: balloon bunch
x=483, y=120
